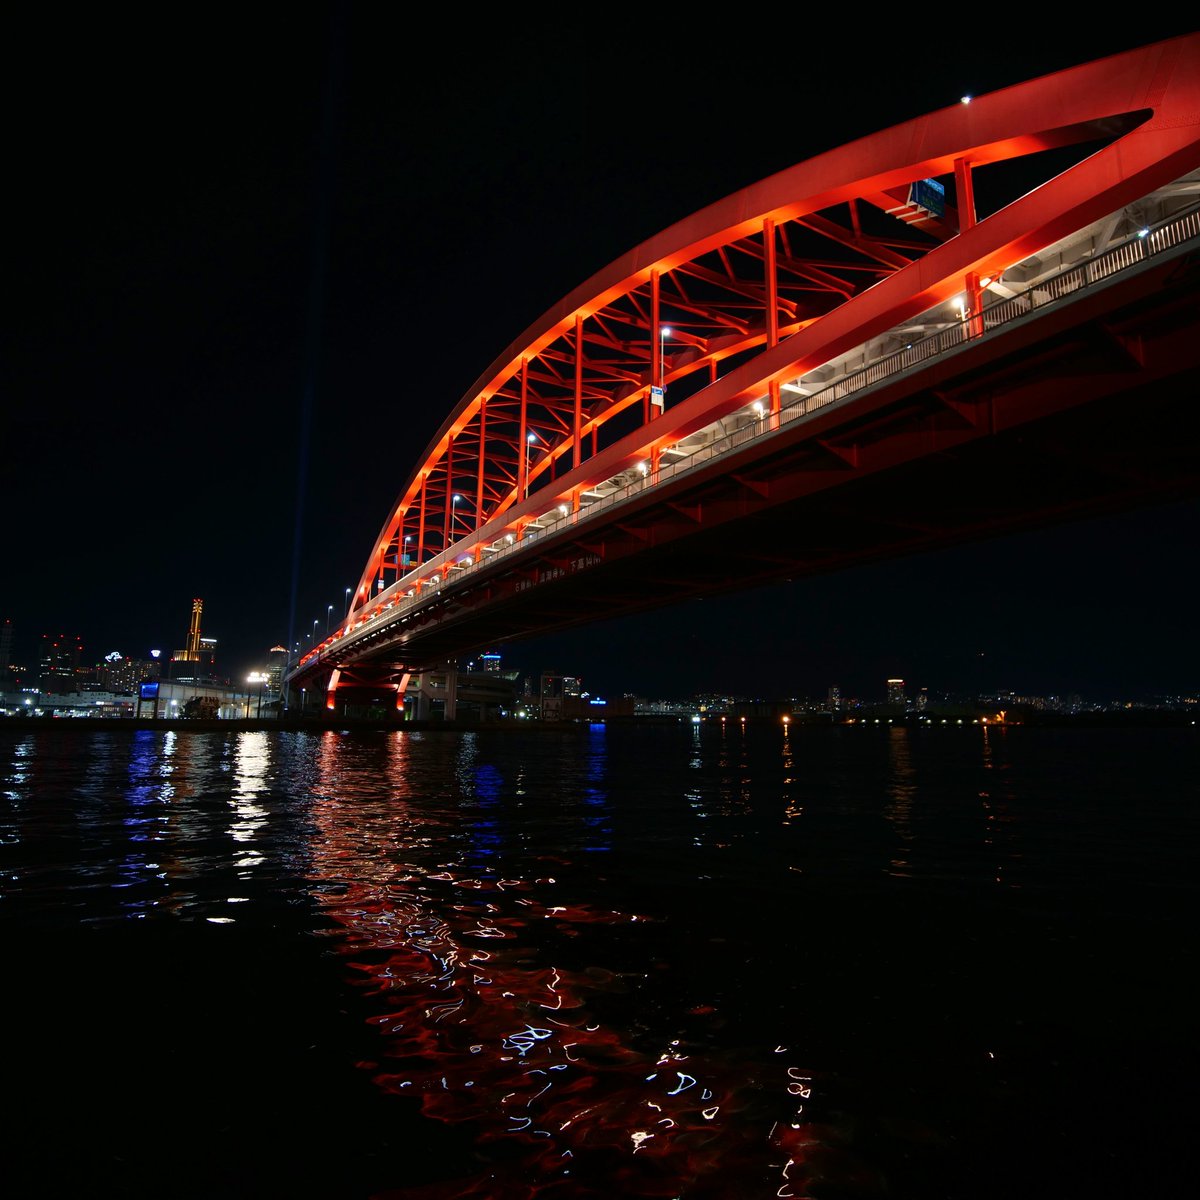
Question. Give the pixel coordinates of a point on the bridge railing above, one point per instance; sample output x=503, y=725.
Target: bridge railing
x=1170, y=234
x=1067, y=283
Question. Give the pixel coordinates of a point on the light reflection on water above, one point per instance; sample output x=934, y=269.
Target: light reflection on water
x=709, y=962
x=489, y=1014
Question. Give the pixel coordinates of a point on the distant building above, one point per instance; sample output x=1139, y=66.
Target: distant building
x=550, y=696
x=834, y=701
x=486, y=664
x=277, y=658
x=587, y=707
x=564, y=698
x=196, y=662
x=895, y=691
x=122, y=676
x=759, y=710
x=66, y=704
x=191, y=652
x=59, y=663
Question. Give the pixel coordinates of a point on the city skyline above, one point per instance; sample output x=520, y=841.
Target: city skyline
x=246, y=308
x=55, y=650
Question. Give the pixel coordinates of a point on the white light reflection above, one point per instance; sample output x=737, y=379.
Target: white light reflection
x=166, y=768
x=15, y=786
x=524, y=1041
x=251, y=770
x=455, y=1017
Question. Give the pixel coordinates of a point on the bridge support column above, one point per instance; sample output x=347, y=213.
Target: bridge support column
x=451, y=709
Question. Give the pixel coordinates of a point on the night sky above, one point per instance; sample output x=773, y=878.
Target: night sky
x=253, y=262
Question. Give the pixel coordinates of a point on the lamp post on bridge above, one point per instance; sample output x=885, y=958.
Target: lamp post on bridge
x=328, y=614
x=533, y=437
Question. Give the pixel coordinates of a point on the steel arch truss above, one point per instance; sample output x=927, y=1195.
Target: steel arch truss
x=749, y=297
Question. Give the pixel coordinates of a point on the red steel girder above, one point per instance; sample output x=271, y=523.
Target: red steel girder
x=797, y=240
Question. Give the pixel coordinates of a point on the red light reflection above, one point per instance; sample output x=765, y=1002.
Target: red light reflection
x=473, y=1023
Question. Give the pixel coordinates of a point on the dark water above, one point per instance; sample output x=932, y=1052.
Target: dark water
x=862, y=962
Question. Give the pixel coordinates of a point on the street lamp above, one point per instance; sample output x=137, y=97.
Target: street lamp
x=316, y=622
x=348, y=591
x=454, y=515
x=407, y=539
x=260, y=678
x=663, y=334
x=328, y=614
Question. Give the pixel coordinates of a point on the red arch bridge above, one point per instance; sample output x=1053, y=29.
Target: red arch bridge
x=980, y=320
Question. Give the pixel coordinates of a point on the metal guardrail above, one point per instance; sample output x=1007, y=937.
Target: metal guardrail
x=1066, y=285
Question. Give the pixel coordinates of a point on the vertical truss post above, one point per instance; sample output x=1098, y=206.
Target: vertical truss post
x=772, y=281
x=577, y=454
x=522, y=450
x=479, y=473
x=655, y=351
x=448, y=508
x=421, y=529
x=965, y=186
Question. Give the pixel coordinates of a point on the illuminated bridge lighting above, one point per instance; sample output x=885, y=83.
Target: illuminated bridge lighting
x=778, y=311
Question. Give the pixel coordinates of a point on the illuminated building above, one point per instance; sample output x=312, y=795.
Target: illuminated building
x=276, y=662
x=59, y=663
x=122, y=676
x=191, y=653
x=194, y=663
x=895, y=691
x=486, y=664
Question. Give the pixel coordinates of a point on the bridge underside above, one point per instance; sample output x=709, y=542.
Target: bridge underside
x=1088, y=411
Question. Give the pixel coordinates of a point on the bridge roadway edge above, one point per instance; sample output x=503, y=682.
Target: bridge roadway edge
x=1007, y=408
